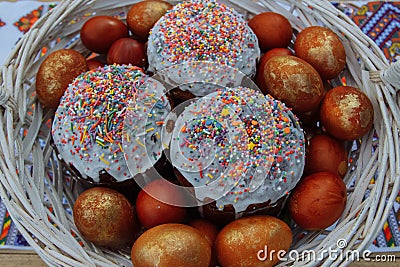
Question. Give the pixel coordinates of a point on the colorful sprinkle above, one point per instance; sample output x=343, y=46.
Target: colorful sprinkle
x=92, y=111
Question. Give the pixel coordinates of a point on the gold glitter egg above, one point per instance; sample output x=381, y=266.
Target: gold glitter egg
x=105, y=217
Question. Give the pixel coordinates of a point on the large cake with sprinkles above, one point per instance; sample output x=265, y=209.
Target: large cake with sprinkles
x=88, y=128
x=200, y=30
x=241, y=151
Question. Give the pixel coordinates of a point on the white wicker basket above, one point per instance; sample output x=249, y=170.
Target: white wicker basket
x=32, y=180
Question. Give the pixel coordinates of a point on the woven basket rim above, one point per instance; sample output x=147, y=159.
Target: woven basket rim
x=31, y=182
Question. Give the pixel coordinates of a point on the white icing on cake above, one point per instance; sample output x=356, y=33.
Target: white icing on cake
x=203, y=30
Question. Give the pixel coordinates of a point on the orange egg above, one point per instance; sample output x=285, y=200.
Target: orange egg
x=325, y=153
x=318, y=200
x=294, y=82
x=171, y=244
x=272, y=30
x=279, y=51
x=346, y=113
x=158, y=203
x=246, y=241
x=143, y=15
x=94, y=64
x=323, y=49
x=105, y=217
x=210, y=232
x=55, y=73
x=127, y=51
x=98, y=33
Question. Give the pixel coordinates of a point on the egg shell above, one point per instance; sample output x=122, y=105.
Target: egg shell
x=210, y=232
x=169, y=245
x=294, y=82
x=243, y=241
x=143, y=15
x=322, y=48
x=55, y=73
x=94, y=64
x=98, y=33
x=346, y=113
x=325, y=153
x=105, y=217
x=161, y=202
x=279, y=51
x=272, y=30
x=318, y=201
x=127, y=51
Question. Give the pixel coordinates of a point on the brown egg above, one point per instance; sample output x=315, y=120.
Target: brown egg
x=105, y=217
x=210, y=232
x=55, y=73
x=247, y=241
x=272, y=30
x=94, y=64
x=325, y=153
x=346, y=113
x=294, y=82
x=143, y=15
x=99, y=32
x=323, y=49
x=279, y=51
x=161, y=202
x=318, y=200
x=127, y=51
x=169, y=245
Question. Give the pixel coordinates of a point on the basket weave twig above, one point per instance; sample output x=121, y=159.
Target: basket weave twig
x=39, y=197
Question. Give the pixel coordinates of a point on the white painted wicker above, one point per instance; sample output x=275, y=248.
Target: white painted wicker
x=32, y=180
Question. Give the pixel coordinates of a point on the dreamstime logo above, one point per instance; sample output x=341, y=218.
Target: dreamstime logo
x=210, y=139
x=340, y=253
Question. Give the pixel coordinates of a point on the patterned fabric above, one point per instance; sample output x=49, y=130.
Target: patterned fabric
x=26, y=22
x=10, y=236
x=379, y=20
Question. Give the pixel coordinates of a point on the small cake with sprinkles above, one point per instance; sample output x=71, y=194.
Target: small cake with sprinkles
x=203, y=30
x=241, y=151
x=88, y=129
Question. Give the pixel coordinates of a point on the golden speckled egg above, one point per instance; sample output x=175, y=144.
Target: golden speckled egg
x=246, y=241
x=55, y=73
x=105, y=217
x=346, y=113
x=171, y=244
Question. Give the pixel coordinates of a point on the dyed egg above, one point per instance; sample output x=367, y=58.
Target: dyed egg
x=323, y=49
x=94, y=64
x=157, y=203
x=210, y=232
x=325, y=153
x=318, y=201
x=105, y=217
x=143, y=15
x=346, y=113
x=294, y=82
x=100, y=32
x=169, y=245
x=246, y=241
x=127, y=51
x=55, y=73
x=279, y=51
x=272, y=30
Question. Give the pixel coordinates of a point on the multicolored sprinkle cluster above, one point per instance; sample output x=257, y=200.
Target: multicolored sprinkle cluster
x=88, y=125
x=144, y=123
x=238, y=147
x=201, y=30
